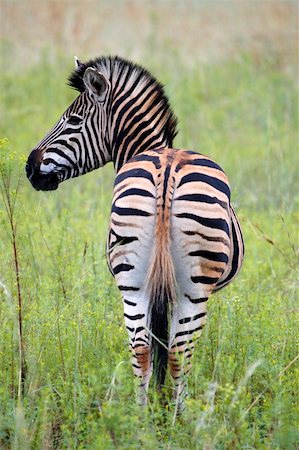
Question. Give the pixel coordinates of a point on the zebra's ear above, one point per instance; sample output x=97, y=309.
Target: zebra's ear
x=95, y=82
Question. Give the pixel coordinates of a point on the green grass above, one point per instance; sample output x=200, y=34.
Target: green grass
x=79, y=389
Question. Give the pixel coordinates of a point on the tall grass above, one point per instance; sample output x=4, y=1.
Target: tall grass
x=79, y=388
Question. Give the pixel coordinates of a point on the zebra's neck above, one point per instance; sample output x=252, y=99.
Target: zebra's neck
x=138, y=113
x=140, y=118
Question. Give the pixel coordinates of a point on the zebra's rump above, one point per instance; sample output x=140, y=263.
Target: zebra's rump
x=182, y=199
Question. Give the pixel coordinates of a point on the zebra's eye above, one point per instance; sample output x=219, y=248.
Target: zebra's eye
x=74, y=120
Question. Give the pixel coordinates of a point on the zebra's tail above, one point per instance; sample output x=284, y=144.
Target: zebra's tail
x=162, y=290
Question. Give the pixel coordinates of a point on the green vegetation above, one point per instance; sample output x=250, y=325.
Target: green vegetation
x=79, y=388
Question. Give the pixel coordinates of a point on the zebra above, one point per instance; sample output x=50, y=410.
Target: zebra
x=174, y=238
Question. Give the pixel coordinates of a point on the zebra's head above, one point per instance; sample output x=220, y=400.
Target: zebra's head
x=77, y=143
x=121, y=110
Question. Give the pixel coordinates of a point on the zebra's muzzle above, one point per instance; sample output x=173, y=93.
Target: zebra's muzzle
x=44, y=182
x=40, y=181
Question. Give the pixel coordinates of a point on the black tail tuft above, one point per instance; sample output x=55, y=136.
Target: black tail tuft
x=159, y=329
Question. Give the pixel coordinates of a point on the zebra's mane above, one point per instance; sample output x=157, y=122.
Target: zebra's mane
x=111, y=66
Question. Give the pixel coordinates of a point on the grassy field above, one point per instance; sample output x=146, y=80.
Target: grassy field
x=79, y=388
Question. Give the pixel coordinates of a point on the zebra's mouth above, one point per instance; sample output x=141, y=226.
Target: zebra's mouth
x=43, y=182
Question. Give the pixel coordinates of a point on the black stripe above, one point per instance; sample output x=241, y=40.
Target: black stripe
x=121, y=240
x=138, y=329
x=135, y=317
x=129, y=303
x=135, y=191
x=212, y=256
x=86, y=153
x=199, y=162
x=79, y=156
x=220, y=224
x=202, y=199
x=154, y=159
x=136, y=367
x=204, y=280
x=89, y=149
x=207, y=238
x=98, y=155
x=134, y=173
x=183, y=333
x=188, y=319
x=197, y=300
x=235, y=260
x=212, y=181
x=129, y=211
x=206, y=163
x=128, y=288
x=122, y=268
x=179, y=344
x=165, y=182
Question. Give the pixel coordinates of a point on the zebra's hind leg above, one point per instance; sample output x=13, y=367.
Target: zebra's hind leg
x=136, y=320
x=188, y=319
